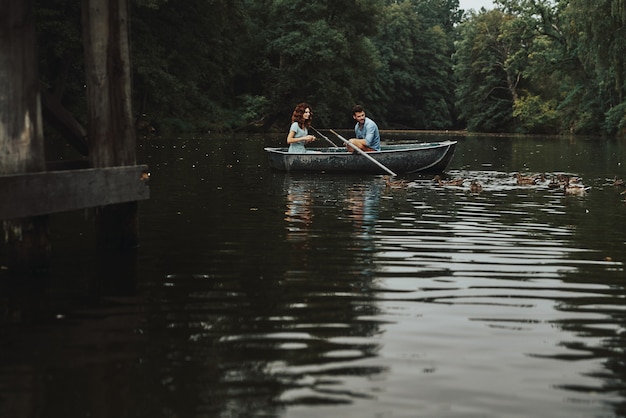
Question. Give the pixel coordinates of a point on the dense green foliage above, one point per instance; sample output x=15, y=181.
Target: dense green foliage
x=537, y=66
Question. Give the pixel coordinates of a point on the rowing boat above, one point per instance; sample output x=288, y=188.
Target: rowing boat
x=427, y=157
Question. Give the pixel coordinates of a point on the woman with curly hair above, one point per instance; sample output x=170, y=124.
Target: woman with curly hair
x=299, y=129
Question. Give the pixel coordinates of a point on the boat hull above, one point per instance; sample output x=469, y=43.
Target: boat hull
x=431, y=157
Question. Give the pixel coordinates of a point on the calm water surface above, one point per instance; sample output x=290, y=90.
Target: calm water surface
x=260, y=293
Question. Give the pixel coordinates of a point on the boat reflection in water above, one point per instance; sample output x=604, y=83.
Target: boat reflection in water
x=299, y=211
x=332, y=313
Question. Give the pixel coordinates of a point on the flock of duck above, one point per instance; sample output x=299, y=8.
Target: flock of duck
x=570, y=185
x=475, y=186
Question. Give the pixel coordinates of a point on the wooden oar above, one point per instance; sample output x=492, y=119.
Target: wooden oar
x=325, y=137
x=363, y=153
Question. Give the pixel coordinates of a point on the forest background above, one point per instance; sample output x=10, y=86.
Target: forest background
x=526, y=66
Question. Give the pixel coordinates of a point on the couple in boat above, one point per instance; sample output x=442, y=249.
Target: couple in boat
x=366, y=131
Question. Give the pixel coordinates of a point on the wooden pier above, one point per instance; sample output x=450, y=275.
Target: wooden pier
x=109, y=180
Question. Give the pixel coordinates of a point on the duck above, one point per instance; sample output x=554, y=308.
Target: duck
x=455, y=182
x=475, y=187
x=555, y=183
x=558, y=181
x=617, y=182
x=525, y=181
x=575, y=189
x=394, y=184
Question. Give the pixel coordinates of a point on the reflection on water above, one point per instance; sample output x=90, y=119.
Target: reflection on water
x=334, y=339
x=257, y=293
x=299, y=214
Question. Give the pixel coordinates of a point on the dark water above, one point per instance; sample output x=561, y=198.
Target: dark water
x=258, y=293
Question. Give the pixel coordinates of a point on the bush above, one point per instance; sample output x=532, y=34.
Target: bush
x=534, y=115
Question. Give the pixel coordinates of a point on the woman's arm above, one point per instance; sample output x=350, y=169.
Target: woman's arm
x=291, y=138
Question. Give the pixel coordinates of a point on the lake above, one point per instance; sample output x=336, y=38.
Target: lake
x=262, y=293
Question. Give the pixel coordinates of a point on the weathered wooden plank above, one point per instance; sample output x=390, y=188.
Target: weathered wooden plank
x=21, y=126
x=21, y=131
x=110, y=124
x=40, y=193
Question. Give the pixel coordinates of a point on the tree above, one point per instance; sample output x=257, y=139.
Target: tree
x=543, y=62
x=184, y=60
x=321, y=52
x=528, y=66
x=596, y=32
x=416, y=50
x=488, y=77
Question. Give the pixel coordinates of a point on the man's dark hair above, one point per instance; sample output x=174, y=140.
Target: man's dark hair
x=357, y=108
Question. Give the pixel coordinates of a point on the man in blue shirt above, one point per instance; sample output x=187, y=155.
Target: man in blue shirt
x=366, y=130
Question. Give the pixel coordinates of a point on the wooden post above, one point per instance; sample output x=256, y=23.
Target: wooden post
x=21, y=131
x=110, y=127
